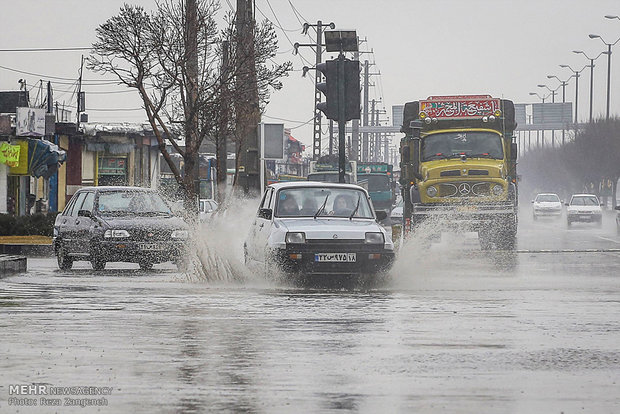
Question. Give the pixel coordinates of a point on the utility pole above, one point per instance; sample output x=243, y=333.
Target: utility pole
x=365, y=146
x=247, y=110
x=355, y=126
x=318, y=48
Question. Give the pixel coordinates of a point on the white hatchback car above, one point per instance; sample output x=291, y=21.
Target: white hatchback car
x=308, y=228
x=584, y=207
x=546, y=205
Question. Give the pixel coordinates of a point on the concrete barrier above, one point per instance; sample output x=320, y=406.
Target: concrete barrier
x=12, y=264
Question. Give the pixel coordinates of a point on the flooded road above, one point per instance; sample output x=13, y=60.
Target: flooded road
x=456, y=329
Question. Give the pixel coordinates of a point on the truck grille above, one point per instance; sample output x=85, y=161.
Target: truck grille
x=465, y=189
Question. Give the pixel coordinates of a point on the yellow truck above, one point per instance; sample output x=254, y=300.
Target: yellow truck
x=459, y=167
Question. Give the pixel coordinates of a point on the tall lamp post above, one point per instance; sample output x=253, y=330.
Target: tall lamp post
x=577, y=74
x=591, y=73
x=542, y=98
x=563, y=84
x=609, y=45
x=553, y=101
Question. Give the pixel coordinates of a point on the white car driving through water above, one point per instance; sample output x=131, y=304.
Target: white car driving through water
x=546, y=205
x=584, y=207
x=313, y=228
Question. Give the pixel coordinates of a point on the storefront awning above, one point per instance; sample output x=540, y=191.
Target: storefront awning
x=44, y=158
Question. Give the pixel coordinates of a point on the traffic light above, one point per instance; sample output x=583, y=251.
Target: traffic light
x=329, y=88
x=350, y=81
x=352, y=89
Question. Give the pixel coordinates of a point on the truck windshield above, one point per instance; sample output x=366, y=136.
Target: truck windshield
x=455, y=144
x=327, y=177
x=378, y=182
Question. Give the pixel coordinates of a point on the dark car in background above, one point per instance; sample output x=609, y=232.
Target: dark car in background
x=119, y=224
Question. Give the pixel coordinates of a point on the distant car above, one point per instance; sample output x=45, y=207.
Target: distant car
x=396, y=216
x=617, y=208
x=206, y=208
x=546, y=205
x=317, y=228
x=118, y=224
x=584, y=207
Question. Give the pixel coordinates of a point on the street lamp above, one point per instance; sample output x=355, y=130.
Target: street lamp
x=550, y=90
x=577, y=72
x=563, y=83
x=591, y=73
x=609, y=45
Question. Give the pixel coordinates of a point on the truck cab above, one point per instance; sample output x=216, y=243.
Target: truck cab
x=458, y=166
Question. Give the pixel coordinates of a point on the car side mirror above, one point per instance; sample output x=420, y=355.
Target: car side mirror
x=381, y=215
x=566, y=204
x=265, y=213
x=85, y=213
x=617, y=208
x=532, y=201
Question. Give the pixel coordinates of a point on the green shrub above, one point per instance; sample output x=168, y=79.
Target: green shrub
x=40, y=224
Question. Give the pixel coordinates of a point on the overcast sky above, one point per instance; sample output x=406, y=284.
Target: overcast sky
x=420, y=48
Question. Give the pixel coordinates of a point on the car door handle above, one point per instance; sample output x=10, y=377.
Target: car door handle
x=77, y=221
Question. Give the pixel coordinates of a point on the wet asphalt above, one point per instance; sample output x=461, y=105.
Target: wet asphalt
x=454, y=329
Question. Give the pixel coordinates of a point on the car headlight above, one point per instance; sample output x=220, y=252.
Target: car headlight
x=431, y=191
x=374, y=238
x=497, y=189
x=180, y=234
x=295, y=237
x=116, y=234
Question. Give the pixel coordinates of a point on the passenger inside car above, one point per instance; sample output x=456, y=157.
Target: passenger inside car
x=288, y=207
x=343, y=205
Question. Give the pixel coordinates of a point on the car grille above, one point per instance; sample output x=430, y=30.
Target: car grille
x=465, y=189
x=150, y=235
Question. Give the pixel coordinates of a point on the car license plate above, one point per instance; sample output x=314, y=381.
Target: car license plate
x=584, y=216
x=150, y=246
x=335, y=257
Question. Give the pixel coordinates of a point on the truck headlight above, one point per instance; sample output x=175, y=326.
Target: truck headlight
x=374, y=238
x=116, y=234
x=295, y=237
x=497, y=189
x=180, y=234
x=431, y=191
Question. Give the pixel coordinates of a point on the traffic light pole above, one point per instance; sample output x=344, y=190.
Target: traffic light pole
x=341, y=118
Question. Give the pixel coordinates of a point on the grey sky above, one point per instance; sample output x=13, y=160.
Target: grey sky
x=501, y=47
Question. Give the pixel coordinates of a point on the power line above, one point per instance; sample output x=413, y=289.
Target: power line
x=47, y=49
x=91, y=81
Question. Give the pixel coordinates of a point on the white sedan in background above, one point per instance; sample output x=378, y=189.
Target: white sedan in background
x=584, y=207
x=312, y=228
x=546, y=205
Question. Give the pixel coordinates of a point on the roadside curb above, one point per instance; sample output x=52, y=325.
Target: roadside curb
x=26, y=245
x=12, y=264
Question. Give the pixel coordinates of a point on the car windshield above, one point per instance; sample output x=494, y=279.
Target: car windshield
x=584, y=201
x=322, y=201
x=456, y=144
x=376, y=182
x=141, y=203
x=547, y=198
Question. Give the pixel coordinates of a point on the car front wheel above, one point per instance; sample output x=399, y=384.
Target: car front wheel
x=65, y=262
x=145, y=264
x=97, y=263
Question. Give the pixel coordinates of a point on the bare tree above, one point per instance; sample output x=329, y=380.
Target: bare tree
x=173, y=58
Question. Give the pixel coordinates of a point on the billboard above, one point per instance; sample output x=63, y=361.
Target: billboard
x=272, y=136
x=30, y=122
x=552, y=115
